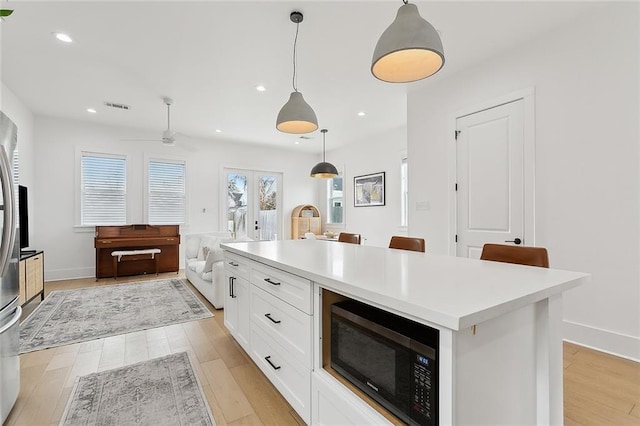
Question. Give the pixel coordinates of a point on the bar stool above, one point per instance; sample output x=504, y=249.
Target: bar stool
x=532, y=256
x=345, y=237
x=407, y=243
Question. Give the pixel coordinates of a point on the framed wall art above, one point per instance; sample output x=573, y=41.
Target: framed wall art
x=368, y=190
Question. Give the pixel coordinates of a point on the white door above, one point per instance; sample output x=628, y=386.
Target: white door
x=253, y=206
x=490, y=178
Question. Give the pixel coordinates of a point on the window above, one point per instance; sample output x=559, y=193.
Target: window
x=404, y=192
x=103, y=189
x=335, y=201
x=166, y=193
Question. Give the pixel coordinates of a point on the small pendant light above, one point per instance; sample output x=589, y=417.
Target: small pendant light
x=324, y=169
x=409, y=49
x=296, y=116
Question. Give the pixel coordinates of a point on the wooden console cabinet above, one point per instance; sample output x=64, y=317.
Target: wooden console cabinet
x=31, y=276
x=305, y=218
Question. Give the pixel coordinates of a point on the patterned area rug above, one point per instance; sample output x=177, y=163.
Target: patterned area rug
x=72, y=316
x=161, y=391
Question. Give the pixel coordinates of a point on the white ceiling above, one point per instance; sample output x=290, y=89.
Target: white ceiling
x=210, y=55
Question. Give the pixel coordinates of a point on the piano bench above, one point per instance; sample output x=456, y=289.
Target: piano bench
x=131, y=255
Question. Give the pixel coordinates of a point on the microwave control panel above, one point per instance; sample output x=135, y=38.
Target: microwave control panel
x=422, y=390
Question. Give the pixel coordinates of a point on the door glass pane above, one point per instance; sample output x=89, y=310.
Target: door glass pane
x=237, y=204
x=268, y=207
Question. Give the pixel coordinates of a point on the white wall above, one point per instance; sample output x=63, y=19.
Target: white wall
x=381, y=153
x=24, y=120
x=585, y=77
x=69, y=251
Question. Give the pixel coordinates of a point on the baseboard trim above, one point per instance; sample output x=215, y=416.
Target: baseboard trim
x=606, y=341
x=68, y=274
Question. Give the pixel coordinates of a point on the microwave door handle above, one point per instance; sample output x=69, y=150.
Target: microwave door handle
x=8, y=228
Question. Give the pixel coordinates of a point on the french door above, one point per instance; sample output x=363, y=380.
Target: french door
x=253, y=204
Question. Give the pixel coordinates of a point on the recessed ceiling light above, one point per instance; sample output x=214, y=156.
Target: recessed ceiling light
x=297, y=142
x=218, y=131
x=63, y=37
x=261, y=88
x=361, y=114
x=91, y=110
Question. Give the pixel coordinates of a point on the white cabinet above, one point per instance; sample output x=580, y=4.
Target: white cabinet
x=284, y=323
x=268, y=311
x=237, y=316
x=333, y=404
x=288, y=375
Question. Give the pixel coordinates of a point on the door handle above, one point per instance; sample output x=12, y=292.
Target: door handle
x=515, y=241
x=16, y=316
x=231, y=287
x=8, y=226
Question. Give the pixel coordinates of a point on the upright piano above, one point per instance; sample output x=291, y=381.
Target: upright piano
x=137, y=237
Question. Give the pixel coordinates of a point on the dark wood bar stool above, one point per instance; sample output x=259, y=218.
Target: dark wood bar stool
x=345, y=237
x=407, y=243
x=532, y=256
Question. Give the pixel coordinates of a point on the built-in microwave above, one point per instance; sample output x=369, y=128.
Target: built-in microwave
x=392, y=359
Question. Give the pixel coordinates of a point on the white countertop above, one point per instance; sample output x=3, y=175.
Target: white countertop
x=453, y=292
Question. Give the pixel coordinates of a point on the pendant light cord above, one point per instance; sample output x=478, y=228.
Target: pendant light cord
x=294, y=80
x=168, y=117
x=324, y=148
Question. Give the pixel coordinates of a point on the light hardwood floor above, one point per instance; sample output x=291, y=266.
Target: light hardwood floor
x=599, y=389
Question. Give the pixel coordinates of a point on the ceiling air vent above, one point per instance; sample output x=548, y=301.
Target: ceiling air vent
x=114, y=105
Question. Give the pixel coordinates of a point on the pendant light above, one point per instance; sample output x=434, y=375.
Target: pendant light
x=296, y=116
x=324, y=169
x=409, y=49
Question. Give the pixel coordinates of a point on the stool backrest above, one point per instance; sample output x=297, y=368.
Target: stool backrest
x=407, y=243
x=345, y=237
x=532, y=256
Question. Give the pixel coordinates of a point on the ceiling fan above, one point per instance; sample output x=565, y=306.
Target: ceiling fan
x=168, y=136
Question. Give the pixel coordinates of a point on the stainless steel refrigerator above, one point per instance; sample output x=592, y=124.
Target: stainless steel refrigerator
x=10, y=310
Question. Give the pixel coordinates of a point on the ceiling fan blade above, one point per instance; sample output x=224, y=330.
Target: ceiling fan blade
x=141, y=140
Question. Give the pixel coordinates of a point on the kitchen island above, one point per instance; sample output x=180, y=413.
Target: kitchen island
x=500, y=346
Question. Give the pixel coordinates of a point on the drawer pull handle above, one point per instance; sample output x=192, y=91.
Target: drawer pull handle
x=271, y=282
x=233, y=264
x=272, y=320
x=267, y=358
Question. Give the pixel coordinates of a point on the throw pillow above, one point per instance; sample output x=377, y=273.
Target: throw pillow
x=206, y=241
x=193, y=244
x=214, y=255
x=205, y=251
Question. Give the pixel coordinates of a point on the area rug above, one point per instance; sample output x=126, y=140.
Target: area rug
x=72, y=316
x=161, y=391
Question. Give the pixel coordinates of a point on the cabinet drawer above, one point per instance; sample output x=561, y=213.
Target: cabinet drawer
x=291, y=378
x=286, y=325
x=292, y=289
x=237, y=265
x=333, y=404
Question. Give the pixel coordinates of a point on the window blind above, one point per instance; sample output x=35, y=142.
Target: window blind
x=103, y=190
x=166, y=192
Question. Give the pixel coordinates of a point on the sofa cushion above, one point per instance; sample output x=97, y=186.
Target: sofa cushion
x=191, y=249
x=200, y=267
x=196, y=265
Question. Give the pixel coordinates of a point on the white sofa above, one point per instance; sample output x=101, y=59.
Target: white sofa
x=203, y=265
